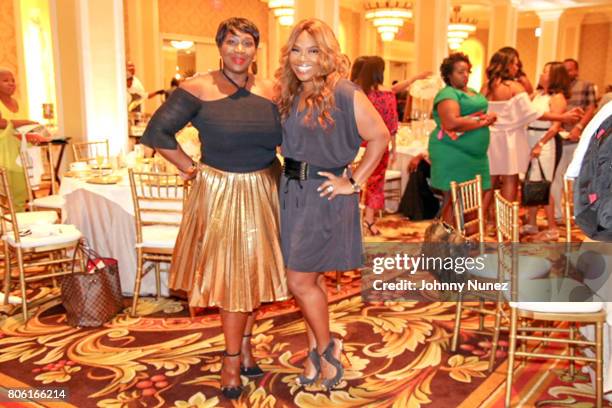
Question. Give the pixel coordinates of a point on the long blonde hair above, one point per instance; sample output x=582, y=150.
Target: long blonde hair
x=334, y=66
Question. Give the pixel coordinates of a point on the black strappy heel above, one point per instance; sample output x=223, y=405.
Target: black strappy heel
x=315, y=359
x=233, y=392
x=369, y=226
x=251, y=372
x=329, y=383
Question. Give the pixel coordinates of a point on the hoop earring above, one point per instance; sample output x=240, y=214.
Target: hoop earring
x=254, y=67
x=220, y=63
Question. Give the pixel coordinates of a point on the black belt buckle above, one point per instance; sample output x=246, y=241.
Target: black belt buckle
x=304, y=171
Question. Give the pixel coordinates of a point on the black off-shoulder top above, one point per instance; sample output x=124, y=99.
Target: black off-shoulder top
x=239, y=133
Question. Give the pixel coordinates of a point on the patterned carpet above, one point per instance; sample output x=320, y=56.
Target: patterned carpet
x=398, y=354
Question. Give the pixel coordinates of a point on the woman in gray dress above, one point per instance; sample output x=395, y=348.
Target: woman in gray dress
x=325, y=118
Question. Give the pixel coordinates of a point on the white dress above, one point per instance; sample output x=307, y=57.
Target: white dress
x=509, y=148
x=536, y=131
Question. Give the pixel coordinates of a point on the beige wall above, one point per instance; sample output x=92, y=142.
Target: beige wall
x=202, y=17
x=350, y=21
x=594, y=54
x=527, y=46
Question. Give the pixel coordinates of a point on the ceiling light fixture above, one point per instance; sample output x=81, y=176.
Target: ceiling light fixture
x=388, y=18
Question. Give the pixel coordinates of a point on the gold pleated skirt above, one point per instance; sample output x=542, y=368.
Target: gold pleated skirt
x=228, y=252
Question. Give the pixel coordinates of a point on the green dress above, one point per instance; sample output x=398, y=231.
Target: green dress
x=462, y=159
x=9, y=152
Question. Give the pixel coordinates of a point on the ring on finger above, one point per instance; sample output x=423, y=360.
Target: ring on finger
x=330, y=189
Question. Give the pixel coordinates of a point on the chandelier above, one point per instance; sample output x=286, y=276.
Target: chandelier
x=388, y=18
x=283, y=10
x=459, y=29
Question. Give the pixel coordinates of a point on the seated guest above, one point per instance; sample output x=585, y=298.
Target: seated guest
x=419, y=201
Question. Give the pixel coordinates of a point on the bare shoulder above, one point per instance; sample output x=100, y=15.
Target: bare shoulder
x=516, y=87
x=264, y=88
x=200, y=85
x=558, y=101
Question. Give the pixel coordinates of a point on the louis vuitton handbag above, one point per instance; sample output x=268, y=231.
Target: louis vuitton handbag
x=535, y=192
x=92, y=298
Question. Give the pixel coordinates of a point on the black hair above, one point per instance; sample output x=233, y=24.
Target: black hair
x=231, y=25
x=447, y=66
x=372, y=74
x=571, y=60
x=356, y=68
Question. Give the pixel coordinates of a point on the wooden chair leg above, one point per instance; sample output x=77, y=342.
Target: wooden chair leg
x=495, y=339
x=511, y=351
x=572, y=350
x=457, y=329
x=22, y=284
x=338, y=278
x=137, y=283
x=523, y=346
x=599, y=364
x=158, y=280
x=7, y=273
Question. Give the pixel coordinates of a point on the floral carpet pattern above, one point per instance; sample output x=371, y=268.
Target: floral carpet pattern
x=397, y=355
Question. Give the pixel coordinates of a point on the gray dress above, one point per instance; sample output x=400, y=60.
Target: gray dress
x=319, y=235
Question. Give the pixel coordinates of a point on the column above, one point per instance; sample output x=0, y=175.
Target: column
x=547, y=43
x=431, y=26
x=145, y=47
x=326, y=10
x=277, y=37
x=502, y=31
x=90, y=75
x=569, y=34
x=370, y=39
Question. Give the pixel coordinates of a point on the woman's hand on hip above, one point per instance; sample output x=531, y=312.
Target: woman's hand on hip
x=334, y=186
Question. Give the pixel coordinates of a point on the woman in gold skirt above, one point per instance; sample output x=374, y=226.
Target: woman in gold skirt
x=228, y=252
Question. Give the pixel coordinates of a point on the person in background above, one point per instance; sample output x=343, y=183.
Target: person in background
x=402, y=98
x=582, y=95
x=10, y=143
x=136, y=92
x=356, y=67
x=370, y=80
x=553, y=89
x=520, y=76
x=458, y=145
x=509, y=146
x=325, y=118
x=227, y=253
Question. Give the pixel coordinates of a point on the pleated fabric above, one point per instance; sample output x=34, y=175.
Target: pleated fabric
x=228, y=252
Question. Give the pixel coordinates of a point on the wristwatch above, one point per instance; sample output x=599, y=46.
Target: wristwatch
x=356, y=187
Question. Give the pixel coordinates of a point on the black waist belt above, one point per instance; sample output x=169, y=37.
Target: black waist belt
x=537, y=129
x=298, y=170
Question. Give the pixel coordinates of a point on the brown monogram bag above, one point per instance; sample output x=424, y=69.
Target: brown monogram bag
x=92, y=298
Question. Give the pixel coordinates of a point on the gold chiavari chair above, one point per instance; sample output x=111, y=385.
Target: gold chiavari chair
x=44, y=246
x=158, y=207
x=467, y=199
x=467, y=202
x=568, y=207
x=89, y=151
x=528, y=312
x=52, y=201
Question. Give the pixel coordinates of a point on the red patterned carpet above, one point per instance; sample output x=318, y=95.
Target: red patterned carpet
x=398, y=353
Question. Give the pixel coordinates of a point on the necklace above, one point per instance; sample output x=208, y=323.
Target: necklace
x=234, y=82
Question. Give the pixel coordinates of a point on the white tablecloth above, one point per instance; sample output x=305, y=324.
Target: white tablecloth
x=105, y=216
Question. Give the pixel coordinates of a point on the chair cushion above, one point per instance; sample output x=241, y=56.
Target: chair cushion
x=553, y=296
x=158, y=236
x=45, y=235
x=26, y=219
x=393, y=175
x=530, y=267
x=53, y=201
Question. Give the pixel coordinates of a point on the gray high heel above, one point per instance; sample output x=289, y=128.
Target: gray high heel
x=329, y=383
x=315, y=359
